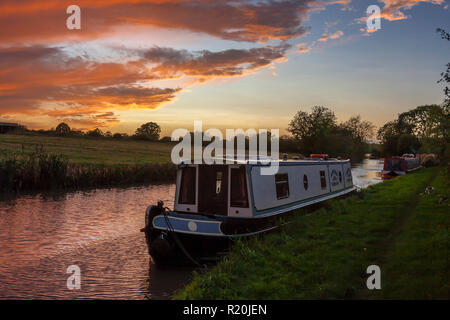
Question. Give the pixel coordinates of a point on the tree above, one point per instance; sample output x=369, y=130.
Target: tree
x=407, y=143
x=312, y=129
x=95, y=133
x=426, y=122
x=62, y=129
x=117, y=135
x=165, y=139
x=359, y=130
x=148, y=131
x=389, y=135
x=318, y=132
x=426, y=127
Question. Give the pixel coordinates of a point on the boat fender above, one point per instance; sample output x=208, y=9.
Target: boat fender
x=161, y=246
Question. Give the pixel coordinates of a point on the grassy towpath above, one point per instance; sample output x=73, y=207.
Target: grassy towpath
x=324, y=254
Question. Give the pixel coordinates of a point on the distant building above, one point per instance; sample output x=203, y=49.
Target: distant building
x=8, y=126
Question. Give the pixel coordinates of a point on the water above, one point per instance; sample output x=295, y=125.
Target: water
x=41, y=235
x=367, y=173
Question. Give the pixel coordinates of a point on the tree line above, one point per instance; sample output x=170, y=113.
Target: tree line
x=423, y=129
x=319, y=132
x=149, y=131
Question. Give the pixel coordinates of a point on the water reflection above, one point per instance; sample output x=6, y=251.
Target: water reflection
x=41, y=235
x=367, y=173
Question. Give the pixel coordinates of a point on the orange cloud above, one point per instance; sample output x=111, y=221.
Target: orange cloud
x=303, y=48
x=46, y=81
x=323, y=38
x=335, y=35
x=41, y=75
x=392, y=8
x=246, y=20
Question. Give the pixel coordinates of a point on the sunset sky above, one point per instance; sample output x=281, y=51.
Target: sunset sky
x=232, y=64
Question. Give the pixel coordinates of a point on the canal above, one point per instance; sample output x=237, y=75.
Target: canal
x=42, y=235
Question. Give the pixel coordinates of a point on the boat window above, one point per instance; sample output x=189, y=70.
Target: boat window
x=187, y=186
x=305, y=182
x=323, y=181
x=396, y=164
x=282, y=185
x=238, y=197
x=218, y=181
x=340, y=177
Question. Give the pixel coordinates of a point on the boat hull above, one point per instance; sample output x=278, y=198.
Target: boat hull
x=176, y=236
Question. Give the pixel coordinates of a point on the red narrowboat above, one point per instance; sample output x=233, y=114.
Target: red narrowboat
x=395, y=166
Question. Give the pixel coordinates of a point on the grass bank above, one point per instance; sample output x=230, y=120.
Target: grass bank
x=324, y=254
x=90, y=151
x=34, y=168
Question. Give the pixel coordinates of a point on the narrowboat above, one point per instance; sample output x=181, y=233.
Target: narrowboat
x=219, y=202
x=396, y=166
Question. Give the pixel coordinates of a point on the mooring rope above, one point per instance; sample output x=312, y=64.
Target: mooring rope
x=178, y=242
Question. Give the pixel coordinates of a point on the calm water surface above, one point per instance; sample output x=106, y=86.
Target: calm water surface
x=367, y=173
x=41, y=235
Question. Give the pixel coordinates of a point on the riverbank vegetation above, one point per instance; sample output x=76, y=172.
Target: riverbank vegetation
x=421, y=130
x=324, y=254
x=319, y=132
x=90, y=151
x=38, y=170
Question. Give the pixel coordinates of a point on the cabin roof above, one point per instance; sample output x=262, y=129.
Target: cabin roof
x=281, y=162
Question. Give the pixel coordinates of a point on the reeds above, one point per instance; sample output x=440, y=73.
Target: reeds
x=40, y=170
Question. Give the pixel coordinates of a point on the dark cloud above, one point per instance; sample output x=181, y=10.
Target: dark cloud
x=206, y=64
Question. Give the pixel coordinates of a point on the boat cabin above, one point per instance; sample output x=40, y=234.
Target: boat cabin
x=240, y=190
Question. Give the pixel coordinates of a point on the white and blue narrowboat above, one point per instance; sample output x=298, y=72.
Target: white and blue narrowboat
x=215, y=203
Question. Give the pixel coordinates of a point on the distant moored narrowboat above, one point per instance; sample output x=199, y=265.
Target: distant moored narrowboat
x=215, y=203
x=395, y=166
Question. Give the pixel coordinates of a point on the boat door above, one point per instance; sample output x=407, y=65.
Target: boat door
x=213, y=189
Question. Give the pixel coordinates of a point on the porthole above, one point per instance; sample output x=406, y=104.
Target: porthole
x=305, y=182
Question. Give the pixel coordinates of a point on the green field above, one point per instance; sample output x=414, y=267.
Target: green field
x=324, y=254
x=91, y=150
